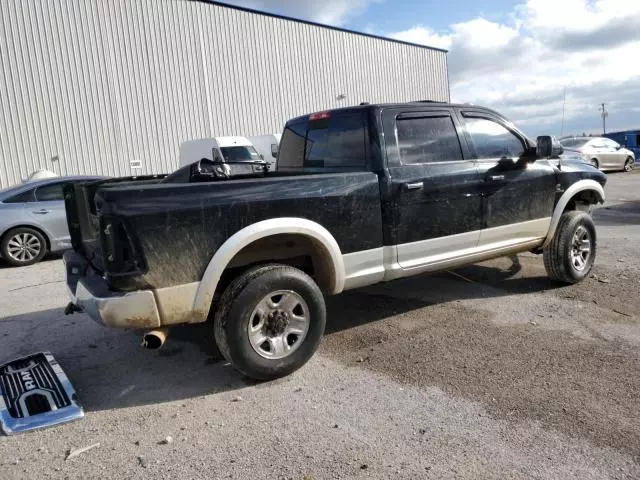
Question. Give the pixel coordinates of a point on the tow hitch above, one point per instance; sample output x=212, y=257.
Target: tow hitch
x=71, y=308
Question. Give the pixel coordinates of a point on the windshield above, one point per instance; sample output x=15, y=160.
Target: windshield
x=245, y=153
x=574, y=142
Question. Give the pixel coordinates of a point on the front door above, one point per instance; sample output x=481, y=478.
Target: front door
x=435, y=205
x=518, y=195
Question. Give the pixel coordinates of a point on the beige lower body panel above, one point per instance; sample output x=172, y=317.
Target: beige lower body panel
x=175, y=304
x=389, y=263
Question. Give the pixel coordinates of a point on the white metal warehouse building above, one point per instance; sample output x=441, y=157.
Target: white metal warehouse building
x=114, y=86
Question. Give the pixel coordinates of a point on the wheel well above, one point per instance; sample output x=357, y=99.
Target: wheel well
x=583, y=201
x=39, y=230
x=300, y=251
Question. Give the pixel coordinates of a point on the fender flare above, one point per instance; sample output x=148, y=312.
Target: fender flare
x=266, y=228
x=579, y=186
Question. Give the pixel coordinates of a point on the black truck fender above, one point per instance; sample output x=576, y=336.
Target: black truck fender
x=580, y=189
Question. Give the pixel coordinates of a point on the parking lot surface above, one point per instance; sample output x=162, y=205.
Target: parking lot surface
x=490, y=371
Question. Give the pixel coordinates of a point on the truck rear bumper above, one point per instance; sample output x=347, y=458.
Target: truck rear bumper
x=90, y=293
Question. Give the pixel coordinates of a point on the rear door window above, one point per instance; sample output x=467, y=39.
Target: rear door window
x=24, y=197
x=427, y=139
x=50, y=193
x=336, y=140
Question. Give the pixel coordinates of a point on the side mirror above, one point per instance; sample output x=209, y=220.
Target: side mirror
x=274, y=150
x=557, y=149
x=544, y=149
x=216, y=156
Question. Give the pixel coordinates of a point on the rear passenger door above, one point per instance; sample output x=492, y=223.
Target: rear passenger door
x=517, y=194
x=435, y=204
x=49, y=212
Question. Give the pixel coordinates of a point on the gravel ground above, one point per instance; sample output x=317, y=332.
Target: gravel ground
x=490, y=371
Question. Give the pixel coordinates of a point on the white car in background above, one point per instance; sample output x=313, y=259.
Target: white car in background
x=601, y=152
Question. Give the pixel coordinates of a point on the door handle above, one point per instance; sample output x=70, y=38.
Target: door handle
x=414, y=186
x=44, y=211
x=495, y=178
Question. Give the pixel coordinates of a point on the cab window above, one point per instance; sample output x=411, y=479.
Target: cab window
x=332, y=140
x=427, y=139
x=492, y=140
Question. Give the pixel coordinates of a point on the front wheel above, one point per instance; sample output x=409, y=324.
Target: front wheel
x=629, y=164
x=270, y=321
x=570, y=256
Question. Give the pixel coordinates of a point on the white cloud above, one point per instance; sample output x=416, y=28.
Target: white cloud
x=424, y=36
x=522, y=66
x=330, y=12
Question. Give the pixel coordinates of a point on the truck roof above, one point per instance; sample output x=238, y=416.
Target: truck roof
x=417, y=104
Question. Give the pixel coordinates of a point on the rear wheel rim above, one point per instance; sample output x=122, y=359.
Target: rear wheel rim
x=279, y=324
x=581, y=248
x=24, y=247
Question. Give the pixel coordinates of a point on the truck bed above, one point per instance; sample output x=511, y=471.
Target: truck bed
x=149, y=234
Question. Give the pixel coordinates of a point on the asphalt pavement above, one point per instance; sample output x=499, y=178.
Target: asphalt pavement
x=490, y=371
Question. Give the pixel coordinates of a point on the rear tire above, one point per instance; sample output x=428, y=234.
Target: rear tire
x=629, y=164
x=270, y=321
x=594, y=163
x=570, y=256
x=23, y=246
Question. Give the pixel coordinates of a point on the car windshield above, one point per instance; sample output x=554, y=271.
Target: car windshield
x=240, y=154
x=574, y=142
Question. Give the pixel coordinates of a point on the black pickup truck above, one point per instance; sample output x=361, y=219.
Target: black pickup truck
x=361, y=195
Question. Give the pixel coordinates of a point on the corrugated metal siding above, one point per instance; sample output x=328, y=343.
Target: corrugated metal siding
x=87, y=86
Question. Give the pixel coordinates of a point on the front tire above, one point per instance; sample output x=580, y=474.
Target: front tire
x=594, y=163
x=23, y=246
x=270, y=321
x=570, y=256
x=629, y=164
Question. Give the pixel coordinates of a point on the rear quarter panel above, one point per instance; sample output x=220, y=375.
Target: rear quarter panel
x=179, y=227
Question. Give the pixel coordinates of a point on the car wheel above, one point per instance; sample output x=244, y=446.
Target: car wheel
x=594, y=163
x=570, y=256
x=23, y=246
x=270, y=321
x=629, y=164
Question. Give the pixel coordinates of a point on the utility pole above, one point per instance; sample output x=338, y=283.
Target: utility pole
x=604, y=114
x=564, y=105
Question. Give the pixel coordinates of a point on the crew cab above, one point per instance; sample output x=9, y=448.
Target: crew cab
x=361, y=195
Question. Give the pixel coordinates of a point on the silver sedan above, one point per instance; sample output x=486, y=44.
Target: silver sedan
x=33, y=220
x=600, y=152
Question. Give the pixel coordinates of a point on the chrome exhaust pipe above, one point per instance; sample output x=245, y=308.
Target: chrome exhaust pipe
x=154, y=339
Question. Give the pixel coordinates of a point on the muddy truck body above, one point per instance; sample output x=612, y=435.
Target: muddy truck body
x=360, y=196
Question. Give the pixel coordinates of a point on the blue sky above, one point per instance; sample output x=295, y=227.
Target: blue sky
x=391, y=16
x=518, y=57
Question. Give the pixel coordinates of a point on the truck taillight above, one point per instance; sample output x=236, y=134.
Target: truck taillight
x=319, y=116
